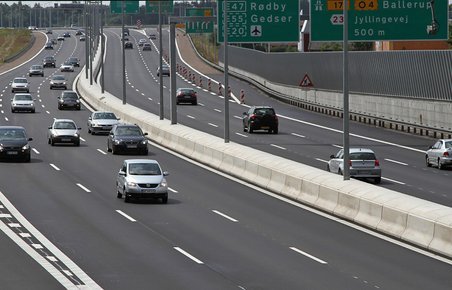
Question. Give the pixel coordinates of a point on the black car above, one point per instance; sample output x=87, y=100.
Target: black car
x=128, y=45
x=260, y=118
x=69, y=100
x=48, y=61
x=127, y=137
x=66, y=34
x=186, y=95
x=49, y=45
x=79, y=32
x=14, y=143
x=74, y=61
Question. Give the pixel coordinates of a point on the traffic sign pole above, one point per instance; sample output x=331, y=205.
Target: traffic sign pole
x=161, y=111
x=226, y=68
x=124, y=99
x=346, y=119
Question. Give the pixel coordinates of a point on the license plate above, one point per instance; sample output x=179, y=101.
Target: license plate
x=187, y=97
x=148, y=190
x=12, y=153
x=65, y=140
x=131, y=146
x=265, y=127
x=363, y=172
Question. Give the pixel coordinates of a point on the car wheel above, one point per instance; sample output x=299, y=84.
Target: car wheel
x=275, y=131
x=377, y=180
x=27, y=158
x=51, y=142
x=12, y=110
x=250, y=130
x=51, y=88
x=59, y=107
x=427, y=162
x=328, y=168
x=77, y=143
x=126, y=198
x=195, y=103
x=339, y=172
x=89, y=131
x=165, y=200
x=114, y=151
x=42, y=75
x=118, y=194
x=145, y=152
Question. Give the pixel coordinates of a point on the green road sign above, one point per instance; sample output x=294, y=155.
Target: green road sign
x=260, y=21
x=375, y=20
x=199, y=26
x=152, y=6
x=130, y=7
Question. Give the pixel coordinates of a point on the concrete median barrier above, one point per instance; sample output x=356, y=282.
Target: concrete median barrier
x=425, y=224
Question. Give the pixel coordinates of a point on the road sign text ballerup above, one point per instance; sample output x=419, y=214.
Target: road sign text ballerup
x=372, y=20
x=259, y=20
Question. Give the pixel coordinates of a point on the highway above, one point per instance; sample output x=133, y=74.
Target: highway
x=215, y=232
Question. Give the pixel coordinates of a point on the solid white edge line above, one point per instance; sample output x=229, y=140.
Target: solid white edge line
x=240, y=134
x=126, y=215
x=172, y=190
x=101, y=151
x=312, y=210
x=35, y=151
x=225, y=216
x=278, y=146
x=213, y=125
x=82, y=187
x=392, y=180
x=188, y=255
x=321, y=160
x=308, y=255
x=298, y=135
x=89, y=283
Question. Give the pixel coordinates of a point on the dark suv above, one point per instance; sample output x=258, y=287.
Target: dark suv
x=14, y=143
x=260, y=118
x=127, y=137
x=48, y=61
x=69, y=99
x=74, y=61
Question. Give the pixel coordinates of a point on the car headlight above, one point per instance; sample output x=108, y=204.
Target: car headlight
x=144, y=142
x=26, y=147
x=132, y=184
x=118, y=141
x=163, y=183
x=1, y=147
x=76, y=134
x=78, y=101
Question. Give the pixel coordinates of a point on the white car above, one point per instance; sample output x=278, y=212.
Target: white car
x=22, y=102
x=63, y=131
x=363, y=164
x=20, y=85
x=101, y=122
x=67, y=67
x=142, y=178
x=141, y=42
x=439, y=154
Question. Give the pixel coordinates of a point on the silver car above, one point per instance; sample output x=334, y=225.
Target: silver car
x=20, y=85
x=363, y=164
x=64, y=131
x=439, y=154
x=142, y=178
x=101, y=122
x=22, y=102
x=66, y=67
x=58, y=81
x=36, y=69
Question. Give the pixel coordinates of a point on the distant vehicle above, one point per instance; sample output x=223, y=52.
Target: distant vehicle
x=127, y=137
x=48, y=61
x=69, y=100
x=74, y=61
x=14, y=143
x=58, y=81
x=63, y=131
x=260, y=118
x=439, y=154
x=186, y=95
x=20, y=85
x=36, y=69
x=126, y=31
x=54, y=41
x=60, y=38
x=147, y=46
x=125, y=38
x=79, y=32
x=67, y=67
x=48, y=45
x=66, y=34
x=32, y=27
x=23, y=102
x=101, y=122
x=142, y=178
x=49, y=31
x=165, y=70
x=82, y=38
x=128, y=45
x=363, y=164
x=152, y=36
x=141, y=42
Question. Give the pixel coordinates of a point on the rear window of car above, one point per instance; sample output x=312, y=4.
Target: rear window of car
x=264, y=111
x=362, y=156
x=64, y=125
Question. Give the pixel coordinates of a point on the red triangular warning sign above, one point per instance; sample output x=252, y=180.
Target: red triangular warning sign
x=306, y=82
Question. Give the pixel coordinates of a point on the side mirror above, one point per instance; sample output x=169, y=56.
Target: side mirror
x=50, y=127
x=165, y=173
x=145, y=134
x=30, y=139
x=332, y=156
x=79, y=128
x=89, y=118
x=244, y=114
x=122, y=173
x=430, y=147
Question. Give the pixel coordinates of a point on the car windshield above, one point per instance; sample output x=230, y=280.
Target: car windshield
x=362, y=156
x=12, y=134
x=70, y=97
x=49, y=58
x=128, y=131
x=144, y=169
x=64, y=125
x=104, y=116
x=23, y=98
x=264, y=111
x=22, y=81
x=36, y=67
x=60, y=78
